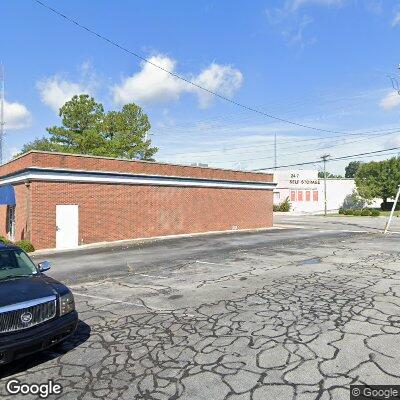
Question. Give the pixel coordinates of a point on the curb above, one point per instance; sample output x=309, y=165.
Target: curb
x=140, y=241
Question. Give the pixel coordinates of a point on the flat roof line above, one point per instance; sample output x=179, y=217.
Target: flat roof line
x=129, y=160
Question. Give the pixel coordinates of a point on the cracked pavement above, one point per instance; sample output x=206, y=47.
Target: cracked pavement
x=298, y=318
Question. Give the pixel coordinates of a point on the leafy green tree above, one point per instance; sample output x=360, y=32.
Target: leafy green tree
x=127, y=133
x=352, y=168
x=42, y=144
x=353, y=202
x=328, y=175
x=87, y=129
x=378, y=179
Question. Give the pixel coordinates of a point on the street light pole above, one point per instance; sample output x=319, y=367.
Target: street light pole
x=324, y=159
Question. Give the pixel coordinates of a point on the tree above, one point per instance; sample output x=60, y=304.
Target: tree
x=87, y=129
x=352, y=168
x=328, y=175
x=353, y=202
x=378, y=179
x=127, y=132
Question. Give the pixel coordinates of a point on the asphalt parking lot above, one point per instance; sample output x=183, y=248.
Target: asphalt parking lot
x=299, y=312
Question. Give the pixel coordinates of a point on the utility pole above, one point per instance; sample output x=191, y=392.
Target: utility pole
x=396, y=87
x=1, y=112
x=275, y=152
x=324, y=160
x=396, y=200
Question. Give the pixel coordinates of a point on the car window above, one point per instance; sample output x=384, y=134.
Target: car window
x=14, y=263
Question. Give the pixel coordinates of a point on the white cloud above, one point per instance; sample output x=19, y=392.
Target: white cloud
x=151, y=84
x=55, y=91
x=290, y=21
x=391, y=100
x=295, y=4
x=222, y=79
x=58, y=89
x=290, y=24
x=16, y=116
x=396, y=19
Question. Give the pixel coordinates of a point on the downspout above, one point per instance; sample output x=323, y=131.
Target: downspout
x=27, y=211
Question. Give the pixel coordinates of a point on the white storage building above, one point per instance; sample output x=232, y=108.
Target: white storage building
x=306, y=191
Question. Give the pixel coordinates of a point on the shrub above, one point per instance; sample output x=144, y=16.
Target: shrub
x=284, y=206
x=366, y=212
x=25, y=245
x=353, y=202
x=341, y=211
x=4, y=240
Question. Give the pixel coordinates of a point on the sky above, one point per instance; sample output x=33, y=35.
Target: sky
x=321, y=63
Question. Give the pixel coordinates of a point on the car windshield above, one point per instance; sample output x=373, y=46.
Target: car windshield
x=15, y=263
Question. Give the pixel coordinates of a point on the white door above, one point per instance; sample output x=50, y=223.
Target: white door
x=67, y=226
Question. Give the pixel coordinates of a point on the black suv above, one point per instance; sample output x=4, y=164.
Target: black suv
x=36, y=311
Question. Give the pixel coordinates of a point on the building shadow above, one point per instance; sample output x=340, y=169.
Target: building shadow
x=80, y=336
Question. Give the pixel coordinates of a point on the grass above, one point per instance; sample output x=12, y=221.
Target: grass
x=383, y=214
x=387, y=213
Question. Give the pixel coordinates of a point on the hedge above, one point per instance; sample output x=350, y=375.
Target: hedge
x=365, y=212
x=25, y=245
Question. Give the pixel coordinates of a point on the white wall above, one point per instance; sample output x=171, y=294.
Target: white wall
x=336, y=191
x=297, y=183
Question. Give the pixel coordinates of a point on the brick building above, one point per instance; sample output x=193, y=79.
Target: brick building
x=64, y=200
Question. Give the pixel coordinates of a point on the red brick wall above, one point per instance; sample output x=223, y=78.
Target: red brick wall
x=115, y=212
x=68, y=161
x=22, y=221
x=3, y=220
x=110, y=212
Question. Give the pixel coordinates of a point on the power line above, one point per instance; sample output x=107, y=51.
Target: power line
x=331, y=159
x=313, y=149
x=303, y=151
x=222, y=97
x=213, y=122
x=289, y=106
x=197, y=154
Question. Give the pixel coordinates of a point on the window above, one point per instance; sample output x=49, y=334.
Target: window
x=15, y=263
x=315, y=195
x=292, y=195
x=299, y=195
x=11, y=222
x=308, y=195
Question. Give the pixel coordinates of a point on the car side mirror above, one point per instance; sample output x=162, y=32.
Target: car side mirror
x=44, y=266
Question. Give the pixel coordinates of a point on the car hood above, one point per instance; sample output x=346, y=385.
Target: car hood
x=18, y=290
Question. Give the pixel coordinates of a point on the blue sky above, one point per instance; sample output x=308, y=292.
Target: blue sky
x=318, y=62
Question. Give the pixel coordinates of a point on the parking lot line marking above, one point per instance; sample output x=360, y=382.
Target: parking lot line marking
x=109, y=300
x=153, y=276
x=157, y=310
x=207, y=262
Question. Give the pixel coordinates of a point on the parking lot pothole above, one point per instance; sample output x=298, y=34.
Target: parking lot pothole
x=310, y=261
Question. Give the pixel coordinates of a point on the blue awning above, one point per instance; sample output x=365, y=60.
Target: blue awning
x=7, y=195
